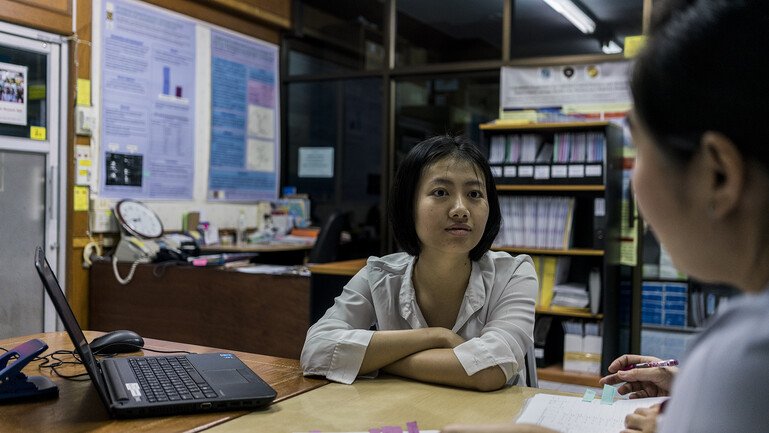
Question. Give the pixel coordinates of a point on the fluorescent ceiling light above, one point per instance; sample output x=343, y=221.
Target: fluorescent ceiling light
x=611, y=47
x=574, y=14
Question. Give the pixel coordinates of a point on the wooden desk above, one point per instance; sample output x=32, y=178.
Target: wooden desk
x=347, y=268
x=381, y=402
x=79, y=409
x=256, y=248
x=267, y=314
x=273, y=253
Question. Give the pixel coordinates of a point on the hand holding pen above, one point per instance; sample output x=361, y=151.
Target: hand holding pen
x=636, y=377
x=651, y=364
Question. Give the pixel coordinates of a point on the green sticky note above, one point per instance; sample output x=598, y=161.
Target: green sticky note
x=608, y=394
x=589, y=395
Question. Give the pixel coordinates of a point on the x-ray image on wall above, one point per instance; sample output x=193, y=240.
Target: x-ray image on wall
x=123, y=169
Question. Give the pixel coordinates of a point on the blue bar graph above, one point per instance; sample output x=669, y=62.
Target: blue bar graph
x=166, y=80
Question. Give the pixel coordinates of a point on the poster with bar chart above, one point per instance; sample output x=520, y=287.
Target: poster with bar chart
x=148, y=105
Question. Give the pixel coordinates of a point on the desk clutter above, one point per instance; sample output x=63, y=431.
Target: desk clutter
x=284, y=220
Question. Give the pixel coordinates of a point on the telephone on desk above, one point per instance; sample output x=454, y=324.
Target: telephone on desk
x=132, y=249
x=173, y=247
x=142, y=239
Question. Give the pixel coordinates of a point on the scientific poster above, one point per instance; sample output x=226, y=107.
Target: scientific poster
x=13, y=94
x=245, y=153
x=147, y=109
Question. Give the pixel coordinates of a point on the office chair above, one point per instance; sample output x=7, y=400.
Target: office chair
x=326, y=248
x=530, y=364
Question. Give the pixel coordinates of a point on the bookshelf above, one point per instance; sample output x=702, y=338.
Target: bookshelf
x=576, y=165
x=670, y=307
x=555, y=373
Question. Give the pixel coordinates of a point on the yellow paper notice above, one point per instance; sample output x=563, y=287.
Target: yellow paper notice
x=83, y=92
x=633, y=45
x=37, y=133
x=81, y=198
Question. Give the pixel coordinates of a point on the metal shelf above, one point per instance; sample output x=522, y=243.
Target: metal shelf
x=551, y=252
x=552, y=188
x=666, y=328
x=577, y=314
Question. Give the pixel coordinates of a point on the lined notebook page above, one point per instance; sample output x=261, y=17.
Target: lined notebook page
x=572, y=415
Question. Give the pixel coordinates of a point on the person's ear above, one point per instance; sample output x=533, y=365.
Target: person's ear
x=726, y=173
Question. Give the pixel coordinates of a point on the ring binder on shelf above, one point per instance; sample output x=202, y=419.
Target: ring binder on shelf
x=15, y=385
x=548, y=157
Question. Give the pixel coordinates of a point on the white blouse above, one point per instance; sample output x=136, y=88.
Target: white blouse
x=496, y=316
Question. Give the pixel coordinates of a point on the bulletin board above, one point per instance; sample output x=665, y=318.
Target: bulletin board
x=188, y=113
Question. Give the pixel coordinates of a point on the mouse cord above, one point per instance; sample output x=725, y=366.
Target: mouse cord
x=52, y=361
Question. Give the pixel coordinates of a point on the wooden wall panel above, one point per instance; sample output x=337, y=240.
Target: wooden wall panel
x=234, y=19
x=60, y=6
x=50, y=15
x=77, y=222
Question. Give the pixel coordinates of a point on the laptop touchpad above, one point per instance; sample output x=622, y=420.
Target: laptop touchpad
x=224, y=377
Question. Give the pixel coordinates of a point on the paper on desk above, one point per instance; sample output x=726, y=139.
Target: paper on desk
x=368, y=431
x=265, y=269
x=298, y=240
x=274, y=270
x=572, y=415
x=411, y=427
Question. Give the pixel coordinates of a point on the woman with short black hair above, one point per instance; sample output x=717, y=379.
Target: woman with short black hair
x=447, y=310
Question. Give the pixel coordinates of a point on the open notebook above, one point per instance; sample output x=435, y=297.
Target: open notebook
x=573, y=415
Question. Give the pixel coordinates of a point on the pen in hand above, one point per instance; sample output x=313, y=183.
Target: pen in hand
x=667, y=363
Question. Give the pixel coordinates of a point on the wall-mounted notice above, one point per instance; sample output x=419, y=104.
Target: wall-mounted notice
x=147, y=109
x=245, y=154
x=316, y=162
x=596, y=84
x=13, y=94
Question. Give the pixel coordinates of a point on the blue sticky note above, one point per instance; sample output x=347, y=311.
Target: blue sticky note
x=589, y=395
x=608, y=394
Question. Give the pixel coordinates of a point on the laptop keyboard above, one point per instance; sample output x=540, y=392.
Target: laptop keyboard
x=170, y=378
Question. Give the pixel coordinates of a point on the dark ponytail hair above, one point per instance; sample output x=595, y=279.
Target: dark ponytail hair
x=704, y=69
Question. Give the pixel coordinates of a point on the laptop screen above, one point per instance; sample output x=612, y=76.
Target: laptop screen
x=70, y=322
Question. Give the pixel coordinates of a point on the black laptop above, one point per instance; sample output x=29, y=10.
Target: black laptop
x=153, y=385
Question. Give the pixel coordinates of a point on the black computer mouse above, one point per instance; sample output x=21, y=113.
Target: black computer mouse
x=122, y=341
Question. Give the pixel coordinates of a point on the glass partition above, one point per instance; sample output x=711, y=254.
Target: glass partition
x=343, y=35
x=335, y=154
x=456, y=104
x=539, y=31
x=445, y=31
